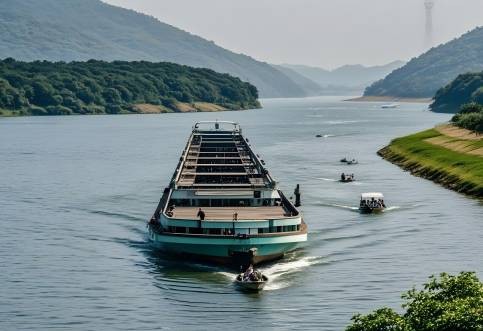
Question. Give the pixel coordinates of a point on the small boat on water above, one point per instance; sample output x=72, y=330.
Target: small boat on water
x=347, y=178
x=372, y=202
x=251, y=280
x=390, y=106
x=345, y=160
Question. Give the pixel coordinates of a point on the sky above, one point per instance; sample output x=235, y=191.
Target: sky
x=323, y=33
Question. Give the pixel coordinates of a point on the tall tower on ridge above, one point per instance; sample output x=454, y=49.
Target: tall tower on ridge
x=428, y=39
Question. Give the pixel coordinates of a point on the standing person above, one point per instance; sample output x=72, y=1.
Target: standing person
x=235, y=218
x=201, y=215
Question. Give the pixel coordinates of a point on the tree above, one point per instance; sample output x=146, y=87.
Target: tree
x=447, y=303
x=471, y=107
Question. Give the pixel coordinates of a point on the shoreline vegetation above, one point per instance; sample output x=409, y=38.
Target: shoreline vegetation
x=447, y=155
x=389, y=99
x=120, y=87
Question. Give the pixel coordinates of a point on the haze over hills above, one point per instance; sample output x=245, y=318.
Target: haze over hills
x=68, y=30
x=423, y=76
x=348, y=78
x=310, y=87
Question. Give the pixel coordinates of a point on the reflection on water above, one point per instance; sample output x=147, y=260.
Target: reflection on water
x=78, y=190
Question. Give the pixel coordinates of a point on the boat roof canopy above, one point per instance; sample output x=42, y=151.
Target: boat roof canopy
x=370, y=195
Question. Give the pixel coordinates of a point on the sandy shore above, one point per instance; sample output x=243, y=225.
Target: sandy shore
x=389, y=99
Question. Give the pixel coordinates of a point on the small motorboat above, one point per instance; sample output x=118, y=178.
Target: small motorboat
x=353, y=161
x=319, y=136
x=252, y=281
x=344, y=160
x=390, y=106
x=371, y=203
x=346, y=178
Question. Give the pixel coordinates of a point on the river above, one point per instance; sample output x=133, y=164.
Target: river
x=75, y=194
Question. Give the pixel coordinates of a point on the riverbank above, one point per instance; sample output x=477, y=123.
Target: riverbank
x=449, y=156
x=144, y=108
x=389, y=99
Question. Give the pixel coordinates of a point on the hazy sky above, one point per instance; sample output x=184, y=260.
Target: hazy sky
x=325, y=33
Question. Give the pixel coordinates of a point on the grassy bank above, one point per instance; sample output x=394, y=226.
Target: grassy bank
x=452, y=161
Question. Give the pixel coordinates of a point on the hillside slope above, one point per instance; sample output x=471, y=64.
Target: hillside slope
x=423, y=76
x=79, y=30
x=310, y=87
x=465, y=88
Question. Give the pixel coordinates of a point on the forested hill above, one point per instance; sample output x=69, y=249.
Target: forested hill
x=423, y=76
x=79, y=30
x=464, y=89
x=96, y=87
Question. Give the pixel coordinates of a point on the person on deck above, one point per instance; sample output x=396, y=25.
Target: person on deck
x=201, y=214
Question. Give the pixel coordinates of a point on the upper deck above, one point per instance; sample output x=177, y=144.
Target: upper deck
x=220, y=157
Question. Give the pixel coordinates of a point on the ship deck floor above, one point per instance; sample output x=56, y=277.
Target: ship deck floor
x=226, y=213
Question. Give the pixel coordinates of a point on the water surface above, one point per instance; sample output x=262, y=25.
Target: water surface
x=75, y=193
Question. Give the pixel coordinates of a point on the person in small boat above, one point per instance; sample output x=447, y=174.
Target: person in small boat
x=247, y=273
x=342, y=177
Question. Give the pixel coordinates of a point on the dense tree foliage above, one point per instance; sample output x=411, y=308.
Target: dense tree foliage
x=464, y=89
x=424, y=75
x=447, y=303
x=470, y=117
x=93, y=87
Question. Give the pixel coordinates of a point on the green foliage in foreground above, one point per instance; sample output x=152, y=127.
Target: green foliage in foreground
x=470, y=117
x=98, y=87
x=447, y=303
x=466, y=88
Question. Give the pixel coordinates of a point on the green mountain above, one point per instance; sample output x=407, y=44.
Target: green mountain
x=97, y=87
x=79, y=30
x=466, y=88
x=345, y=79
x=423, y=76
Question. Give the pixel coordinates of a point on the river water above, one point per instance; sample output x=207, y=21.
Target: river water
x=75, y=193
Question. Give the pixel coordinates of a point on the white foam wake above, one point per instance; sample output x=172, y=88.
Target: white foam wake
x=279, y=270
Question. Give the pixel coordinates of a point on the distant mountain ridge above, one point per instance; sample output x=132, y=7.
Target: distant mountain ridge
x=348, y=78
x=424, y=75
x=79, y=30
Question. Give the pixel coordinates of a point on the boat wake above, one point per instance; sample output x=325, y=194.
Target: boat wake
x=344, y=122
x=335, y=205
x=357, y=183
x=279, y=273
x=327, y=179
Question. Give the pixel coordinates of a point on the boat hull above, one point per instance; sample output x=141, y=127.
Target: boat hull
x=226, y=249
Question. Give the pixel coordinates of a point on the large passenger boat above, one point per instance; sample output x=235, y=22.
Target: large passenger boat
x=223, y=205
